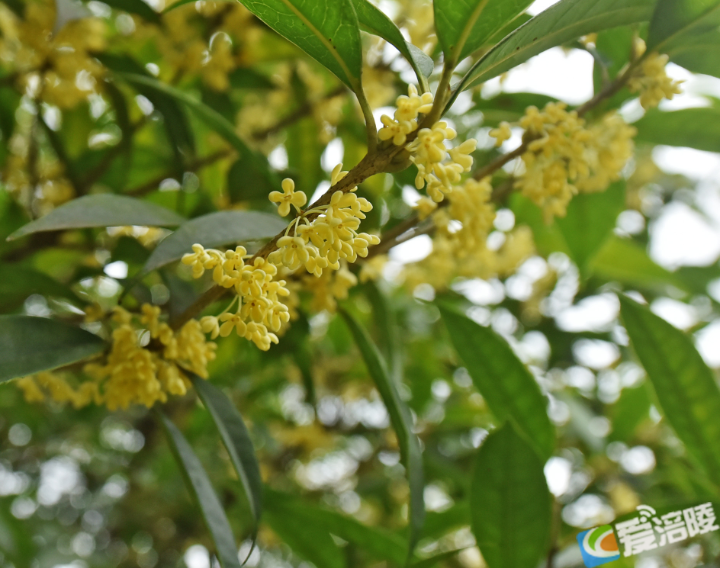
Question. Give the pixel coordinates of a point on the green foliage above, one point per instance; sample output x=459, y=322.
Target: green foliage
x=690, y=128
x=502, y=379
x=511, y=504
x=30, y=344
x=683, y=383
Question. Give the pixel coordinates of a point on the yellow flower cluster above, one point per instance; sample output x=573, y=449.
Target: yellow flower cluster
x=257, y=291
x=329, y=287
x=133, y=374
x=438, y=167
x=651, y=81
x=565, y=156
x=330, y=237
x=56, y=68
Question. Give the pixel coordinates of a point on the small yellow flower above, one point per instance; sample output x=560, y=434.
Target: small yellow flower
x=232, y=321
x=288, y=197
x=501, y=133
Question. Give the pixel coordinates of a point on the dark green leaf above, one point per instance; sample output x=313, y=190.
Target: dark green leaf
x=18, y=282
x=510, y=502
x=401, y=421
x=378, y=543
x=675, y=20
x=504, y=381
x=698, y=52
x=200, y=488
x=236, y=439
x=629, y=411
x=683, y=383
x=376, y=22
x=590, y=221
x=101, y=210
x=325, y=29
x=213, y=230
x=29, y=345
x=135, y=7
x=464, y=26
x=697, y=128
x=387, y=330
x=562, y=22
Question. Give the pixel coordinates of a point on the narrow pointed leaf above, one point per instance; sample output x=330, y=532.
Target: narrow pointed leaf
x=201, y=489
x=376, y=22
x=683, y=383
x=697, y=128
x=213, y=230
x=562, y=22
x=401, y=421
x=464, y=26
x=102, y=210
x=676, y=20
x=236, y=439
x=325, y=29
x=30, y=344
x=504, y=381
x=510, y=502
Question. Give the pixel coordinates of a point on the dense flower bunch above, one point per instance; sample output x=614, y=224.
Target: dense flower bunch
x=54, y=67
x=438, y=167
x=331, y=236
x=652, y=82
x=133, y=373
x=565, y=155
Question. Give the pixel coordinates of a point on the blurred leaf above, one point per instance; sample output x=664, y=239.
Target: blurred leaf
x=562, y=22
x=29, y=345
x=17, y=6
x=589, y=222
x=388, y=331
x=613, y=49
x=377, y=23
x=236, y=439
x=675, y=20
x=212, y=230
x=135, y=7
x=182, y=293
x=304, y=150
x=377, y=543
x=685, y=386
x=18, y=282
x=464, y=26
x=200, y=488
x=697, y=128
x=435, y=560
x=627, y=262
x=548, y=237
x=101, y=210
x=510, y=502
x=401, y=421
x=502, y=379
x=629, y=411
x=325, y=29
x=248, y=78
x=698, y=52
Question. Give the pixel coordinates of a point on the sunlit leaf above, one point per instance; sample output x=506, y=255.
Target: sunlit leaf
x=212, y=230
x=102, y=210
x=501, y=378
x=510, y=502
x=31, y=344
x=676, y=20
x=205, y=498
x=683, y=383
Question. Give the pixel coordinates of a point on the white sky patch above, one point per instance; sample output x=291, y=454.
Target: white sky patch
x=683, y=237
x=595, y=313
x=689, y=162
x=708, y=344
x=540, y=6
x=677, y=313
x=413, y=250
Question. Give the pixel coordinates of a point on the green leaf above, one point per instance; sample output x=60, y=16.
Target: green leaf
x=325, y=29
x=464, y=26
x=201, y=489
x=683, y=383
x=401, y=421
x=562, y=22
x=376, y=542
x=504, y=381
x=387, y=329
x=697, y=128
x=590, y=221
x=213, y=230
x=509, y=502
x=236, y=439
x=629, y=411
x=698, y=52
x=377, y=23
x=675, y=20
x=212, y=118
x=29, y=345
x=19, y=282
x=135, y=7
x=435, y=560
x=625, y=261
x=101, y=210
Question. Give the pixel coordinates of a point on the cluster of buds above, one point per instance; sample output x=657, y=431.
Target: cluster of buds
x=406, y=116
